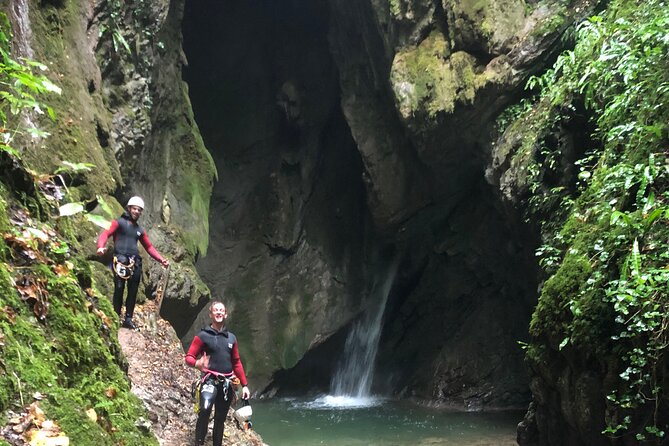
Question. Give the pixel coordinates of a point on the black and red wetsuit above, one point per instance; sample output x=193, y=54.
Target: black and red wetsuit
x=221, y=348
x=126, y=233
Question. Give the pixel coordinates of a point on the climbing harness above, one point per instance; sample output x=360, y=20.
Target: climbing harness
x=205, y=389
x=124, y=266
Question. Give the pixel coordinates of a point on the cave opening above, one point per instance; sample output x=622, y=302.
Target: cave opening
x=288, y=217
x=292, y=239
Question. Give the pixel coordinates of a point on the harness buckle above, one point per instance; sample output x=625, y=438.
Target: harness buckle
x=124, y=266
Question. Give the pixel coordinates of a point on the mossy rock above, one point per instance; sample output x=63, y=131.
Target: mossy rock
x=429, y=79
x=66, y=348
x=552, y=314
x=492, y=25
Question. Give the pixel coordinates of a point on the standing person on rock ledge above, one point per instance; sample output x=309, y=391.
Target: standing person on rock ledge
x=214, y=351
x=127, y=262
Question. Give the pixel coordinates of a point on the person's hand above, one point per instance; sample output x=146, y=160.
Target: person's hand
x=245, y=393
x=101, y=251
x=165, y=263
x=202, y=362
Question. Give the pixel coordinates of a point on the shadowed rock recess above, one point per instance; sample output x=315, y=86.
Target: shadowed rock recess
x=347, y=133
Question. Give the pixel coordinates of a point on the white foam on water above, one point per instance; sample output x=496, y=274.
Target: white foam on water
x=343, y=402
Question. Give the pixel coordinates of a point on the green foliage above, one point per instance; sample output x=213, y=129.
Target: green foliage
x=567, y=282
x=68, y=357
x=114, y=18
x=74, y=208
x=617, y=218
x=513, y=113
x=56, y=337
x=114, y=24
x=20, y=88
x=68, y=167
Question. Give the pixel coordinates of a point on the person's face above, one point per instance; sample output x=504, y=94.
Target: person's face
x=218, y=313
x=135, y=212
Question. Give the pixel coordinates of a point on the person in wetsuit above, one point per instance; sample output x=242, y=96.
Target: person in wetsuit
x=126, y=233
x=214, y=351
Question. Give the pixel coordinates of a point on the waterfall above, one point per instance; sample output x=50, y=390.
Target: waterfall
x=356, y=371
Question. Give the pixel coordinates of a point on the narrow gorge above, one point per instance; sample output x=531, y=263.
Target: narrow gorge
x=436, y=180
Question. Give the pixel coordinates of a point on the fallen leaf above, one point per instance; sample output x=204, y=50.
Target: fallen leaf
x=36, y=233
x=40, y=309
x=27, y=288
x=61, y=270
x=104, y=317
x=44, y=438
x=10, y=313
x=90, y=413
x=110, y=392
x=36, y=413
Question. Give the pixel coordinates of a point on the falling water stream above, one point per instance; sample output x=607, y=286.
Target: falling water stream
x=352, y=416
x=352, y=382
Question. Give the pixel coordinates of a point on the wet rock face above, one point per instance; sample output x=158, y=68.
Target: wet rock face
x=345, y=125
x=287, y=214
x=151, y=133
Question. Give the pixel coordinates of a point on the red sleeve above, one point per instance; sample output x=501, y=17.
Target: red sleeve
x=237, y=366
x=102, y=240
x=194, y=351
x=144, y=239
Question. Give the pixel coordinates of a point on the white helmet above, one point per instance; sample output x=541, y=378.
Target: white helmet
x=136, y=201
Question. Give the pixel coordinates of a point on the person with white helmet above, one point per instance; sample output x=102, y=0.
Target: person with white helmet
x=127, y=262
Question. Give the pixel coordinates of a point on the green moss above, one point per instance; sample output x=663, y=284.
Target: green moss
x=395, y=8
x=474, y=9
x=106, y=391
x=4, y=219
x=192, y=180
x=74, y=134
x=552, y=312
x=606, y=300
x=551, y=23
x=71, y=356
x=429, y=78
x=294, y=330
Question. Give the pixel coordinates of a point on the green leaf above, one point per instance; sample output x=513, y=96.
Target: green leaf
x=37, y=133
x=70, y=209
x=636, y=259
x=118, y=37
x=74, y=167
x=51, y=87
x=106, y=209
x=98, y=220
x=10, y=150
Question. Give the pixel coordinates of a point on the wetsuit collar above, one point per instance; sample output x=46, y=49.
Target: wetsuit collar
x=223, y=331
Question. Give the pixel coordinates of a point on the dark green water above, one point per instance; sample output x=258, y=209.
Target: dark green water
x=390, y=423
